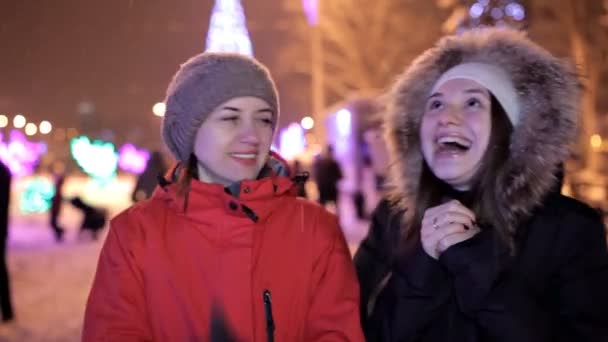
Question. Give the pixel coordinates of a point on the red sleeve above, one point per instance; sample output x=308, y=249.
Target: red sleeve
x=334, y=311
x=116, y=309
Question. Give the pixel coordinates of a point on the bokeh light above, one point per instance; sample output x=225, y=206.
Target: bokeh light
x=307, y=122
x=19, y=121
x=31, y=129
x=159, y=109
x=45, y=127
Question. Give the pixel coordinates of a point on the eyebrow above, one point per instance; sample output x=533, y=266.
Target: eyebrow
x=468, y=91
x=265, y=110
x=238, y=110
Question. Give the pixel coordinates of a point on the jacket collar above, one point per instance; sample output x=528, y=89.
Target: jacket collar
x=252, y=199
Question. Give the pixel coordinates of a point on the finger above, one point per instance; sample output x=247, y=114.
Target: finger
x=433, y=211
x=432, y=236
x=430, y=225
x=449, y=229
x=453, y=207
x=454, y=217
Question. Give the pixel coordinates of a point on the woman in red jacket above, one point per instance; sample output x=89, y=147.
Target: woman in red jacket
x=224, y=233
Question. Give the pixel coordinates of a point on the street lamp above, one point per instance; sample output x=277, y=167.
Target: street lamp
x=596, y=141
x=31, y=129
x=307, y=123
x=45, y=127
x=159, y=109
x=312, y=10
x=19, y=121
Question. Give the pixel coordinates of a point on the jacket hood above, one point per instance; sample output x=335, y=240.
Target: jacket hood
x=548, y=95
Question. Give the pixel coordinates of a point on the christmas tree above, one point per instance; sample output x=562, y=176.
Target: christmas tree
x=227, y=29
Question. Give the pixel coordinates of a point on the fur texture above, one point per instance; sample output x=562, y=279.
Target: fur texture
x=548, y=93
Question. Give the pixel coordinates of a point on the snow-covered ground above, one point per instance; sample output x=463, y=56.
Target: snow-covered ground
x=50, y=281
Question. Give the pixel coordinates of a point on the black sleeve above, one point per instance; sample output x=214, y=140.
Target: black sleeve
x=400, y=296
x=489, y=295
x=414, y=297
x=372, y=259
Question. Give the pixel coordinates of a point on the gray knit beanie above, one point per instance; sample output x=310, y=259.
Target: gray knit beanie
x=203, y=83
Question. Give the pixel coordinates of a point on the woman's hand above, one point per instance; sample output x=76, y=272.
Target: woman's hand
x=446, y=225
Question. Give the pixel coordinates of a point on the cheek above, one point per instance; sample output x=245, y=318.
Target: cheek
x=483, y=128
x=206, y=142
x=265, y=136
x=426, y=136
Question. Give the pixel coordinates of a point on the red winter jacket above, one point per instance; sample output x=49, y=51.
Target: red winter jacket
x=164, y=266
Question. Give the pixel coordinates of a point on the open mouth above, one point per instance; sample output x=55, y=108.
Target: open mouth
x=453, y=144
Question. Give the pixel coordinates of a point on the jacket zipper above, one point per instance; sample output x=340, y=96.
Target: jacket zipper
x=269, y=320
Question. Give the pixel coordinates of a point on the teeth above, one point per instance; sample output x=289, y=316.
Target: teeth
x=245, y=155
x=454, y=140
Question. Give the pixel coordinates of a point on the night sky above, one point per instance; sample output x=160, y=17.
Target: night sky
x=121, y=54
x=118, y=54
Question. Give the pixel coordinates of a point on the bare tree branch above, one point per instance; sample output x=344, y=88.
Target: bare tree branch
x=365, y=44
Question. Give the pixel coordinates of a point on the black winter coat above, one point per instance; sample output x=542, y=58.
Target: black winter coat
x=554, y=289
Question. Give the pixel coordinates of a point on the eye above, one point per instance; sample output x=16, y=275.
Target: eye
x=435, y=104
x=474, y=103
x=267, y=121
x=232, y=118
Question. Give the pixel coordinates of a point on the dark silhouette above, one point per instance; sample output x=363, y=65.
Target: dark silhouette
x=301, y=177
x=94, y=218
x=147, y=181
x=5, y=293
x=56, y=204
x=327, y=173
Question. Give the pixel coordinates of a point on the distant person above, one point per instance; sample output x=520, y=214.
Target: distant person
x=5, y=193
x=56, y=206
x=301, y=176
x=327, y=174
x=148, y=180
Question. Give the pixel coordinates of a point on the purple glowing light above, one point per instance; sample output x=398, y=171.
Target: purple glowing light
x=343, y=119
x=292, y=141
x=311, y=8
x=19, y=154
x=131, y=159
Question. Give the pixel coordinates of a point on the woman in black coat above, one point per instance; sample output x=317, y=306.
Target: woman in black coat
x=474, y=242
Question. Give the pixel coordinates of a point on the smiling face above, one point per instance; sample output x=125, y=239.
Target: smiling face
x=455, y=131
x=234, y=141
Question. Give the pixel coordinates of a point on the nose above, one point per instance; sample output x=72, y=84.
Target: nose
x=450, y=116
x=250, y=134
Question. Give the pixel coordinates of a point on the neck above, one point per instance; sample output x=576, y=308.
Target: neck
x=461, y=194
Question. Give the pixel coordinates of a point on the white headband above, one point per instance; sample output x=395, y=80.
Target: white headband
x=495, y=79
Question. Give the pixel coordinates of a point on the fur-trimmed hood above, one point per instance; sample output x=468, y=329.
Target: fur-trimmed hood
x=548, y=95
